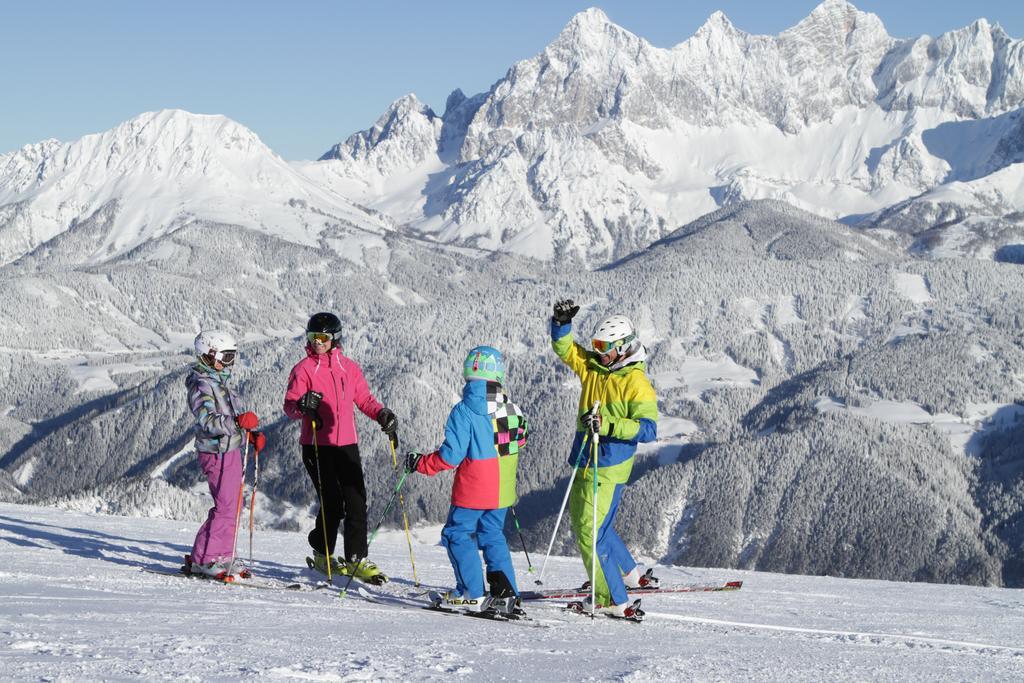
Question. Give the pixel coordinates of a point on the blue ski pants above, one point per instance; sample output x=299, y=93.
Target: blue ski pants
x=465, y=534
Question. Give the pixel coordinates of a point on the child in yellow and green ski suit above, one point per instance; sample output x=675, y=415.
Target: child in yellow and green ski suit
x=614, y=374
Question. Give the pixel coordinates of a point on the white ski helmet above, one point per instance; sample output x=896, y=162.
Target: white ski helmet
x=215, y=345
x=616, y=332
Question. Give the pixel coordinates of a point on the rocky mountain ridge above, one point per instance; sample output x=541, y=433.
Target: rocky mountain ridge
x=603, y=143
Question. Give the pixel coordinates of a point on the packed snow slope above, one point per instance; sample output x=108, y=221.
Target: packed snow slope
x=77, y=606
x=603, y=143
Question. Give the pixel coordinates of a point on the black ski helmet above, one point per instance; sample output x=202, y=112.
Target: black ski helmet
x=326, y=323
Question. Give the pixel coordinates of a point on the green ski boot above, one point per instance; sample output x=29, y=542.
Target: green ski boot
x=365, y=571
x=319, y=563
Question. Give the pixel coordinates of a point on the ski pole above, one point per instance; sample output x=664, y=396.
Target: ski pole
x=515, y=518
x=561, y=510
x=252, y=498
x=369, y=542
x=320, y=496
x=405, y=519
x=238, y=506
x=596, y=441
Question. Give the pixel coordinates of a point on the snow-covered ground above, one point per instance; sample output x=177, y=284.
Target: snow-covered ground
x=697, y=375
x=964, y=431
x=76, y=606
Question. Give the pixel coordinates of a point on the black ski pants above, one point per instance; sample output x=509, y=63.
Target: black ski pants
x=343, y=498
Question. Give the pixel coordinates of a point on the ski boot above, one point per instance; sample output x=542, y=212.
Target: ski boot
x=627, y=611
x=365, y=571
x=217, y=569
x=239, y=569
x=634, y=580
x=507, y=608
x=318, y=563
x=505, y=601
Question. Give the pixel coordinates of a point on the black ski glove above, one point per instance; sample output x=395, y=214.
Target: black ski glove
x=592, y=421
x=309, y=403
x=387, y=421
x=412, y=460
x=564, y=311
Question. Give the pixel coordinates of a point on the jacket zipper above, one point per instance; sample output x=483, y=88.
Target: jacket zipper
x=339, y=392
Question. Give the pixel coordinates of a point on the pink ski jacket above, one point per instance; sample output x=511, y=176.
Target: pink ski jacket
x=341, y=382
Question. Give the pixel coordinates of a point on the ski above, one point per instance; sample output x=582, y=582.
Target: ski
x=563, y=594
x=505, y=611
x=261, y=583
x=408, y=600
x=500, y=609
x=487, y=615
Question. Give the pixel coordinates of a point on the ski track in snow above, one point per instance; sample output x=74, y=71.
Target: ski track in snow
x=876, y=638
x=75, y=605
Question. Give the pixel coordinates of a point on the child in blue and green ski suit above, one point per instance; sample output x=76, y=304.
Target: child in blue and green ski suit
x=614, y=374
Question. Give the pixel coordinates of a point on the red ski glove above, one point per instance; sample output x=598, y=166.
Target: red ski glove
x=258, y=441
x=248, y=421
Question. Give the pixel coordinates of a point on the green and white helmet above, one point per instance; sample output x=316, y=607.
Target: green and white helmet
x=484, y=362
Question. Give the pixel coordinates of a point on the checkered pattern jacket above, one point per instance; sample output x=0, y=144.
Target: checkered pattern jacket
x=483, y=437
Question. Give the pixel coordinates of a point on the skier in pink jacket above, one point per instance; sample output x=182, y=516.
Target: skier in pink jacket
x=324, y=389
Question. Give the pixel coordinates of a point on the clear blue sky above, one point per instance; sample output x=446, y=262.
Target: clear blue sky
x=304, y=75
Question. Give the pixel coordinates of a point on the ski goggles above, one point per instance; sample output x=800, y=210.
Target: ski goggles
x=319, y=337
x=225, y=357
x=603, y=347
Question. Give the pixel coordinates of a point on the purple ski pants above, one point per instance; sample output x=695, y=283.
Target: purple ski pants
x=217, y=534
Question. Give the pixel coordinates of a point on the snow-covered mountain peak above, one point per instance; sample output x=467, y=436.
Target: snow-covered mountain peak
x=833, y=115
x=717, y=41
x=839, y=14
x=169, y=144
x=838, y=28
x=455, y=99
x=591, y=34
x=999, y=34
x=717, y=22
x=402, y=137
x=173, y=133
x=20, y=168
x=151, y=175
x=168, y=128
x=589, y=23
x=403, y=107
x=31, y=151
